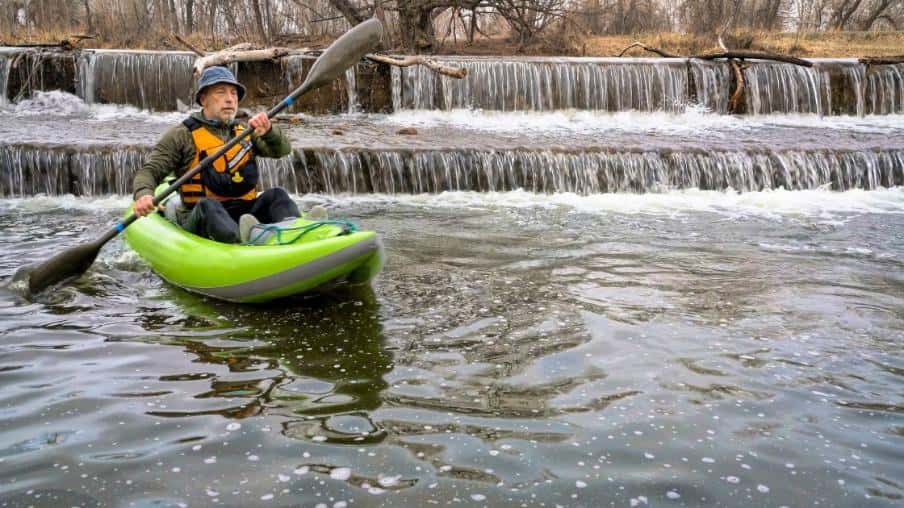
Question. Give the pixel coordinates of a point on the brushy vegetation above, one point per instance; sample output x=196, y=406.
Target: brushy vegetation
x=572, y=27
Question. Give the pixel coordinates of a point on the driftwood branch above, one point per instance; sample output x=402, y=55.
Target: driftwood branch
x=638, y=44
x=228, y=57
x=63, y=44
x=190, y=46
x=408, y=61
x=882, y=60
x=744, y=54
x=242, y=46
x=66, y=44
x=740, y=54
x=231, y=55
x=734, y=102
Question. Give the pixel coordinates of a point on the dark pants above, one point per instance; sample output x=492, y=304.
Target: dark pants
x=218, y=220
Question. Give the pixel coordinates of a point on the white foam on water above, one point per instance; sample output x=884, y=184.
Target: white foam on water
x=693, y=120
x=105, y=112
x=43, y=203
x=822, y=204
x=55, y=103
x=564, y=120
x=52, y=103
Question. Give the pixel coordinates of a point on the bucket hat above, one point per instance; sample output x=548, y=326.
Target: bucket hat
x=214, y=75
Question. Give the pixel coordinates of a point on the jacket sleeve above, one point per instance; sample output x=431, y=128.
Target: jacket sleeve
x=273, y=144
x=168, y=156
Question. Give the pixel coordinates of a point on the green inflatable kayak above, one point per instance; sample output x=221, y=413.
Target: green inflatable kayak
x=295, y=257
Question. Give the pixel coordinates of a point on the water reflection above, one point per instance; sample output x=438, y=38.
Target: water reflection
x=311, y=357
x=507, y=355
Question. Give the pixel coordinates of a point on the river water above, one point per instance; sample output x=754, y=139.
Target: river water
x=688, y=348
x=670, y=346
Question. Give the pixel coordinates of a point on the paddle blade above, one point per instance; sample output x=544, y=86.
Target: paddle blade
x=67, y=264
x=343, y=53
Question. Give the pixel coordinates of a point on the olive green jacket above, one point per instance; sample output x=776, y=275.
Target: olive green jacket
x=175, y=151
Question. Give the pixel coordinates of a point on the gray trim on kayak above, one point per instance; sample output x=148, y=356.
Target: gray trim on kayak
x=279, y=280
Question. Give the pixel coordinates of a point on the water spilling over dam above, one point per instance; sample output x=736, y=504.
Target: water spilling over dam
x=95, y=151
x=831, y=86
x=158, y=80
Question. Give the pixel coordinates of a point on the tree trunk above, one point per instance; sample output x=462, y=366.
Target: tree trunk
x=771, y=18
x=212, y=22
x=259, y=20
x=876, y=13
x=174, y=16
x=416, y=28
x=349, y=11
x=843, y=13
x=189, y=16
x=88, y=20
x=229, y=16
x=268, y=20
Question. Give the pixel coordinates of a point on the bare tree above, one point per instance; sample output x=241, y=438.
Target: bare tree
x=419, y=25
x=879, y=10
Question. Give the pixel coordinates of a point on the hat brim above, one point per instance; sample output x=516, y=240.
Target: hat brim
x=239, y=86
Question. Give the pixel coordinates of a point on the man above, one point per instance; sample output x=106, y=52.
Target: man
x=222, y=199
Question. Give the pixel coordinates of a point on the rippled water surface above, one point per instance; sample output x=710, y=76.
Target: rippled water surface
x=686, y=348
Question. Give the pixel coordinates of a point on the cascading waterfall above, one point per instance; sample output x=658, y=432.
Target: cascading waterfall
x=26, y=170
x=86, y=75
x=854, y=79
x=278, y=173
x=831, y=86
x=30, y=70
x=5, y=60
x=339, y=97
x=294, y=69
x=153, y=80
x=710, y=84
x=396, y=86
x=596, y=172
x=98, y=173
x=160, y=80
x=884, y=89
x=352, y=89
x=784, y=88
x=545, y=85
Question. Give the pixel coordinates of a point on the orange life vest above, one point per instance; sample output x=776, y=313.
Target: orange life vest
x=232, y=176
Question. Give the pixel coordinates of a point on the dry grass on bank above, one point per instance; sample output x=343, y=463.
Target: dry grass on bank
x=822, y=44
x=156, y=41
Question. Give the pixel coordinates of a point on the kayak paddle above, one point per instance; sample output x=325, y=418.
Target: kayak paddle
x=342, y=54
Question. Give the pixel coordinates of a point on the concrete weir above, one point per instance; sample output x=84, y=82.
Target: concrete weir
x=92, y=151
x=31, y=170
x=162, y=81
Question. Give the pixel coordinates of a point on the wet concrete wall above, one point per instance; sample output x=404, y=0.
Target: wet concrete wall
x=162, y=81
x=30, y=70
x=27, y=170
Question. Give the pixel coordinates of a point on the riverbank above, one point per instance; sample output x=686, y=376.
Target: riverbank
x=817, y=44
